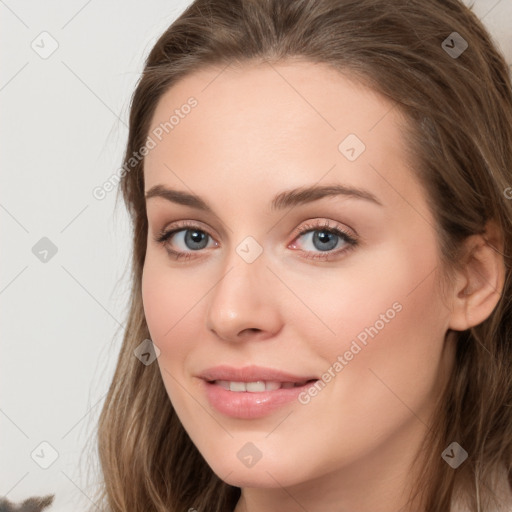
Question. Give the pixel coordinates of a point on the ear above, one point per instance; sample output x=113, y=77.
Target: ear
x=480, y=282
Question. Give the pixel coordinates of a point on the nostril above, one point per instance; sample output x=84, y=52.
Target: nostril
x=251, y=330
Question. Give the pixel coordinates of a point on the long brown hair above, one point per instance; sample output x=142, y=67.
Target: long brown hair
x=459, y=111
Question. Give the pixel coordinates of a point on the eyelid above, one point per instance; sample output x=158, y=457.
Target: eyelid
x=318, y=226
x=182, y=225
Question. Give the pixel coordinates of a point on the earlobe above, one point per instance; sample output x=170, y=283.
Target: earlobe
x=481, y=280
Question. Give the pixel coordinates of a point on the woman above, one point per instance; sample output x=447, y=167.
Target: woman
x=321, y=306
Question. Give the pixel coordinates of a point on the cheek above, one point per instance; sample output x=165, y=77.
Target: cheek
x=170, y=304
x=390, y=325
x=158, y=301
x=168, y=298
x=174, y=308
x=387, y=290
x=384, y=311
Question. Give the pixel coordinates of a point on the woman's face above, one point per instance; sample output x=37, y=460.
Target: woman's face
x=261, y=152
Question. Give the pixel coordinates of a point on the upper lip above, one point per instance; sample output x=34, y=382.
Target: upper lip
x=251, y=374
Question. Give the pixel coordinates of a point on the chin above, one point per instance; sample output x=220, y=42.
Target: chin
x=261, y=478
x=268, y=472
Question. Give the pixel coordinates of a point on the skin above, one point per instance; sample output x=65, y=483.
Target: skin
x=259, y=130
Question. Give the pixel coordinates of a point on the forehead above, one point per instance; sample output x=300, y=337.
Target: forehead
x=286, y=124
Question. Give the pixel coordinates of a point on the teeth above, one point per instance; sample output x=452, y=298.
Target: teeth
x=272, y=386
x=237, y=386
x=256, y=387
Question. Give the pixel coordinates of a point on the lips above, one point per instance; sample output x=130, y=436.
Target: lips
x=251, y=392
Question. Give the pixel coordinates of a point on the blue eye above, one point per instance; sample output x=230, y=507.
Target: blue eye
x=190, y=236
x=325, y=239
x=193, y=239
x=328, y=241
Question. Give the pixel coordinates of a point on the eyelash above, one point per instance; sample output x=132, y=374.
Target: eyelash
x=323, y=226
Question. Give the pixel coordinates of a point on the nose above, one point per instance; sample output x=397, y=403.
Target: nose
x=244, y=303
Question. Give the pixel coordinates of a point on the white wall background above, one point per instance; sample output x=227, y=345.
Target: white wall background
x=63, y=129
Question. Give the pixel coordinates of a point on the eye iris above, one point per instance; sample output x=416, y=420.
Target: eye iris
x=328, y=240
x=196, y=237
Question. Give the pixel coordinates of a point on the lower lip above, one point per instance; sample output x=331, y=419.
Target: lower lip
x=247, y=405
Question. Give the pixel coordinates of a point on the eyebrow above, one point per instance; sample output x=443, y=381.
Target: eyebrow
x=281, y=201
